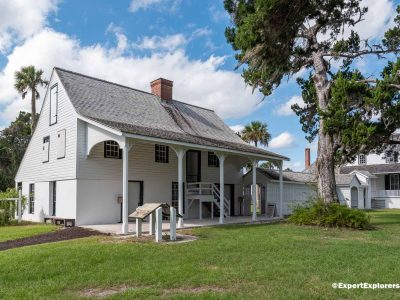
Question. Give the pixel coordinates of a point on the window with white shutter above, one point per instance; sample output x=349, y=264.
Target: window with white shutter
x=61, y=144
x=53, y=104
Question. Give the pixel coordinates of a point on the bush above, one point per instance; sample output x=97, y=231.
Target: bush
x=319, y=213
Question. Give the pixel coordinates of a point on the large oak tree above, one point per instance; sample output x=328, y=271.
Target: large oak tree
x=348, y=112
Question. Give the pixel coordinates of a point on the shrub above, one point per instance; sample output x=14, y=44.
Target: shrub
x=318, y=213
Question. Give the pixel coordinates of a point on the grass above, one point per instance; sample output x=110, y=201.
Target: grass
x=23, y=230
x=279, y=261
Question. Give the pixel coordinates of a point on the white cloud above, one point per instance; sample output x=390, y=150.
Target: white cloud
x=237, y=128
x=284, y=140
x=20, y=19
x=162, y=43
x=170, y=5
x=286, y=108
x=200, y=82
x=378, y=19
x=218, y=15
x=296, y=166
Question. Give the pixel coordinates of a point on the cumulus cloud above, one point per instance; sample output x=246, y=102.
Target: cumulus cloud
x=199, y=82
x=137, y=5
x=237, y=128
x=161, y=43
x=284, y=140
x=286, y=108
x=21, y=19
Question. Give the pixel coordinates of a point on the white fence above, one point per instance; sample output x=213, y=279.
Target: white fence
x=19, y=204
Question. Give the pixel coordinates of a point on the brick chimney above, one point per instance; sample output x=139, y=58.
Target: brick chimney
x=307, y=158
x=162, y=88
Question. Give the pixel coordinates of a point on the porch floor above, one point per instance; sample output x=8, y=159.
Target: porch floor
x=188, y=223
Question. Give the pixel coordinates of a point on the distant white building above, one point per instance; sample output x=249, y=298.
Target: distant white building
x=101, y=149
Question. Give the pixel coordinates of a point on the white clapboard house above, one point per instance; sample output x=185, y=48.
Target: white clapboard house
x=372, y=181
x=101, y=149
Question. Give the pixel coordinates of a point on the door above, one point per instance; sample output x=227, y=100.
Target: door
x=193, y=166
x=135, y=195
x=229, y=193
x=354, y=197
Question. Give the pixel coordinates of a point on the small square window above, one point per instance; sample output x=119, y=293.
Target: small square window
x=162, y=154
x=362, y=159
x=213, y=160
x=112, y=150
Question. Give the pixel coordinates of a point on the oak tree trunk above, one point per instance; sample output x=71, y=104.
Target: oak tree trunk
x=325, y=165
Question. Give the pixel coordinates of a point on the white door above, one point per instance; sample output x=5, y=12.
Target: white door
x=134, y=196
x=354, y=197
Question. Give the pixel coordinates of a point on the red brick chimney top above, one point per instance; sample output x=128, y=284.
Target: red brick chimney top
x=162, y=88
x=307, y=158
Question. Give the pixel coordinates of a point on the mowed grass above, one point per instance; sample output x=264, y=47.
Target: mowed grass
x=271, y=261
x=17, y=231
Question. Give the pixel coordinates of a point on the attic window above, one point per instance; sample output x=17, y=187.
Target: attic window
x=362, y=159
x=213, y=160
x=162, y=154
x=45, y=149
x=112, y=150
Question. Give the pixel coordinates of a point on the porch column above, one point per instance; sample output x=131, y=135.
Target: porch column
x=221, y=158
x=125, y=177
x=281, y=189
x=180, y=153
x=254, y=189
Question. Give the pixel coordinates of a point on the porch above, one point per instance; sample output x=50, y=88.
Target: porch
x=189, y=223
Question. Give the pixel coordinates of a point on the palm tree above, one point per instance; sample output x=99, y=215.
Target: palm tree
x=28, y=79
x=256, y=132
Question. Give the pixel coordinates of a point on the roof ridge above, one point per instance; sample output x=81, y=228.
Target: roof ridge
x=125, y=86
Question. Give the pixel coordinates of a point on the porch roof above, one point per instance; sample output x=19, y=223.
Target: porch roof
x=140, y=113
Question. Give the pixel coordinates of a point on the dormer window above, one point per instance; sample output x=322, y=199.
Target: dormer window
x=53, y=104
x=362, y=159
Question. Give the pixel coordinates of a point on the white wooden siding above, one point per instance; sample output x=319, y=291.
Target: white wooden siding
x=32, y=168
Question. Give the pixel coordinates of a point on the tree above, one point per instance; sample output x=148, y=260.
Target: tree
x=28, y=79
x=278, y=38
x=13, y=142
x=269, y=165
x=256, y=132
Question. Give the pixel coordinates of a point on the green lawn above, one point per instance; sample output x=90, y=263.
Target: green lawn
x=279, y=261
x=24, y=230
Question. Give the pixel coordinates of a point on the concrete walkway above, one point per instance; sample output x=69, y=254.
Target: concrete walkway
x=189, y=223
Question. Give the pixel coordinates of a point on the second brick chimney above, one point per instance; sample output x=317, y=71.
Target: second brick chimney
x=307, y=158
x=162, y=88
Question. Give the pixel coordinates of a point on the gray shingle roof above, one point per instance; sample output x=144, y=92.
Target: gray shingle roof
x=344, y=179
x=288, y=175
x=373, y=169
x=137, y=112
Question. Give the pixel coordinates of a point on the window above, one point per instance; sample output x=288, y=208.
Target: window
x=46, y=149
x=112, y=150
x=53, y=104
x=175, y=195
x=61, y=144
x=213, y=160
x=31, y=198
x=162, y=154
x=394, y=183
x=392, y=157
x=362, y=159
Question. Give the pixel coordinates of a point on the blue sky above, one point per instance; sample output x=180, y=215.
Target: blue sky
x=135, y=41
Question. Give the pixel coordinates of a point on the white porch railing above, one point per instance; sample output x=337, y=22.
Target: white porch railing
x=385, y=193
x=208, y=189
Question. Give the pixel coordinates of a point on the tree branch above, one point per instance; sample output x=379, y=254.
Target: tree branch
x=360, y=53
x=397, y=86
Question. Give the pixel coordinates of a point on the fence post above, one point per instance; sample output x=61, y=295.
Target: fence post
x=19, y=206
x=172, y=224
x=158, y=224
